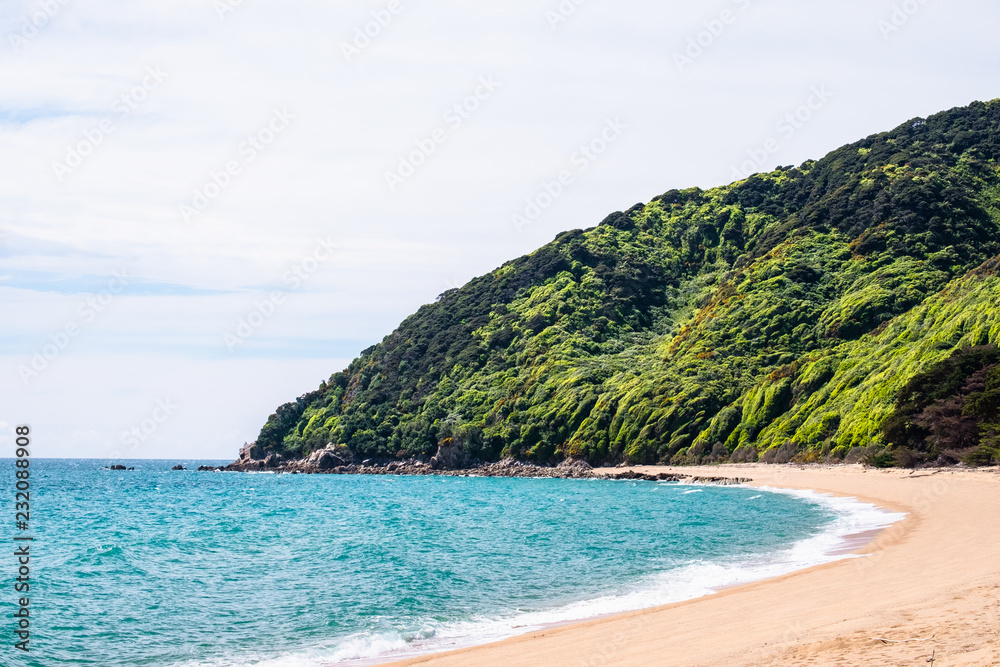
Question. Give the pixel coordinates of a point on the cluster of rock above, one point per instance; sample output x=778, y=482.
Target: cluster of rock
x=117, y=466
x=449, y=460
x=670, y=477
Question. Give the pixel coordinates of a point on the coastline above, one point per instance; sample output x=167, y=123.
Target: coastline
x=931, y=576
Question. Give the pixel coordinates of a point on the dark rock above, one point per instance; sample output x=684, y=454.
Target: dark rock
x=178, y=467
x=575, y=468
x=451, y=455
x=327, y=460
x=250, y=452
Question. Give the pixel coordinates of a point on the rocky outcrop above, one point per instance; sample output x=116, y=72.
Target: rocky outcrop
x=178, y=467
x=450, y=456
x=330, y=457
x=631, y=474
x=671, y=477
x=449, y=461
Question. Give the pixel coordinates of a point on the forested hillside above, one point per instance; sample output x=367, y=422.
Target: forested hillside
x=777, y=317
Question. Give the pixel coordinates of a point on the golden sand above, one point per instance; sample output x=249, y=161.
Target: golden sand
x=928, y=587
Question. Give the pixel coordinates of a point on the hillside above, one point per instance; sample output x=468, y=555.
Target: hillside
x=778, y=316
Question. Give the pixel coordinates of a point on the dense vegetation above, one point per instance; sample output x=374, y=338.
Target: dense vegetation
x=777, y=317
x=950, y=412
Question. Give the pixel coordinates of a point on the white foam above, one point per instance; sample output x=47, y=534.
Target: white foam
x=696, y=579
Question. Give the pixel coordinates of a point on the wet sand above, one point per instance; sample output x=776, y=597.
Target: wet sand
x=928, y=586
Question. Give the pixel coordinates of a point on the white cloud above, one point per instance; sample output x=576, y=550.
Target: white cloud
x=325, y=174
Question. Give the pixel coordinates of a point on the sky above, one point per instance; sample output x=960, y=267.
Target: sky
x=207, y=207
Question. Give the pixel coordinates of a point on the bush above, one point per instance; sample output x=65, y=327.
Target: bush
x=907, y=458
x=744, y=454
x=779, y=455
x=982, y=456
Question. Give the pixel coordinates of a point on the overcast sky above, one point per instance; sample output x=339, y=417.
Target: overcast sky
x=209, y=206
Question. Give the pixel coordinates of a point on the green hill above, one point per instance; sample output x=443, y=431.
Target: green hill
x=778, y=316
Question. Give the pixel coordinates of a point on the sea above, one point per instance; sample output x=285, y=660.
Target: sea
x=207, y=569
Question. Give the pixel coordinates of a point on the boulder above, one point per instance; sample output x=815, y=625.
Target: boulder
x=450, y=455
x=575, y=468
x=178, y=467
x=330, y=457
x=328, y=460
x=251, y=451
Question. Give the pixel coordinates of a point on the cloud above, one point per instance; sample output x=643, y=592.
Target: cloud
x=83, y=84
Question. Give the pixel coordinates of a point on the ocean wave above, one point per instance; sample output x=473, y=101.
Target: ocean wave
x=691, y=580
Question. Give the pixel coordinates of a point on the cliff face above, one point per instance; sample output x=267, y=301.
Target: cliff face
x=773, y=317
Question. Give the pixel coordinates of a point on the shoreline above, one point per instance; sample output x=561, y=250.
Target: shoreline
x=758, y=568
x=831, y=612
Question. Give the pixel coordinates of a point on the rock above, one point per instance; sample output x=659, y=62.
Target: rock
x=272, y=461
x=451, y=455
x=327, y=460
x=330, y=457
x=178, y=467
x=207, y=469
x=251, y=451
x=118, y=467
x=575, y=468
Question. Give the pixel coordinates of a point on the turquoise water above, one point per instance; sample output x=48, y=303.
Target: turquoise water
x=154, y=567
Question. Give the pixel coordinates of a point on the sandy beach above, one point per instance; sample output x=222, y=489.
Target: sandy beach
x=927, y=587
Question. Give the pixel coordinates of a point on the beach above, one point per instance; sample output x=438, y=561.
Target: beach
x=926, y=587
